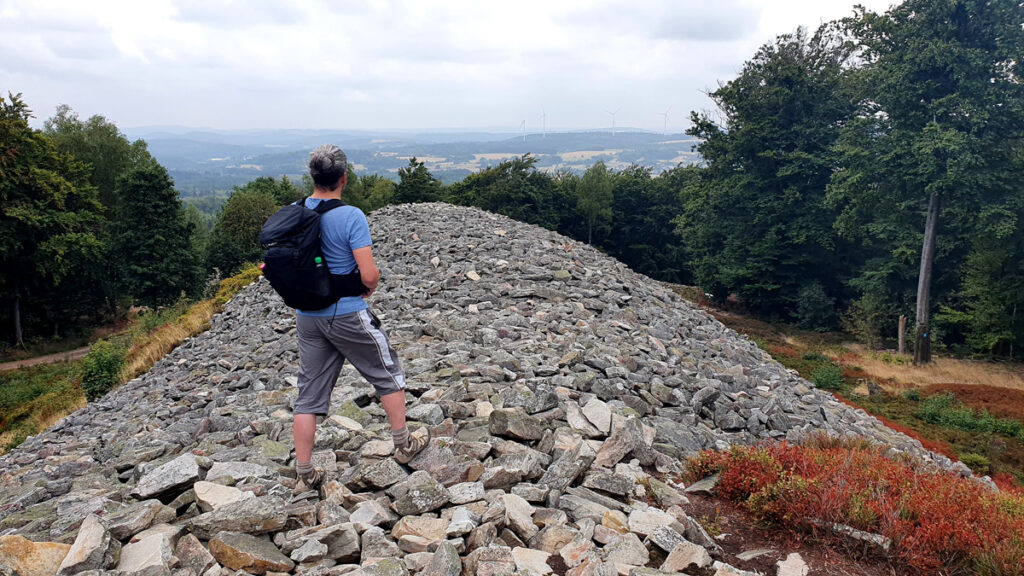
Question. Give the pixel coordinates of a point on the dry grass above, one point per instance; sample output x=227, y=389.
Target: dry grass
x=144, y=352
x=42, y=413
x=899, y=373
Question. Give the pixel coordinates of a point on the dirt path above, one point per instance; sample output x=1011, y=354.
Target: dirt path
x=48, y=359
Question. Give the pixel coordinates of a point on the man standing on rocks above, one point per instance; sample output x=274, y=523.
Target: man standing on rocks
x=345, y=329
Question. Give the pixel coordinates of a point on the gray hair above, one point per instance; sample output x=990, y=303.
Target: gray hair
x=327, y=164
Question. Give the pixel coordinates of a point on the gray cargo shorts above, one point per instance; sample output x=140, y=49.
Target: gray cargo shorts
x=325, y=344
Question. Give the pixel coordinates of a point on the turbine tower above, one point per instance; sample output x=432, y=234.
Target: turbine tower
x=613, y=118
x=522, y=127
x=544, y=122
x=664, y=114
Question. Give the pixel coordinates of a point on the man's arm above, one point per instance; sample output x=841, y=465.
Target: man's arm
x=368, y=271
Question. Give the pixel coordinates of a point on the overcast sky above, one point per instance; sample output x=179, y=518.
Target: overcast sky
x=402, y=64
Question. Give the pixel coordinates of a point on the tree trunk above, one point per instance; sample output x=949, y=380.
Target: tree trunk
x=901, y=337
x=19, y=338
x=922, y=338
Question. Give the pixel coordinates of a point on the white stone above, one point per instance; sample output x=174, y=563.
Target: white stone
x=463, y=522
x=211, y=496
x=346, y=423
x=149, y=555
x=578, y=421
x=237, y=471
x=793, y=565
x=519, y=516
x=466, y=492
x=369, y=514
x=684, y=555
x=643, y=522
x=88, y=551
x=310, y=551
x=532, y=562
x=484, y=409
x=627, y=549
x=378, y=449
x=599, y=414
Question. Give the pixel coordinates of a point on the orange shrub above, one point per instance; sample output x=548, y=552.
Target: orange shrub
x=936, y=520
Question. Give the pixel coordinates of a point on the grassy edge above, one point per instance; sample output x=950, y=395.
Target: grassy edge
x=44, y=411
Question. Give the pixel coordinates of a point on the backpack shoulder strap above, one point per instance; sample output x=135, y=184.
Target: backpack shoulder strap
x=324, y=205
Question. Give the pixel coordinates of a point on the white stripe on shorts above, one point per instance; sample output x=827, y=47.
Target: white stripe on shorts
x=378, y=338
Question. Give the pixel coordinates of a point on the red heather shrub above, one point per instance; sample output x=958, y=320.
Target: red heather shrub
x=935, y=519
x=747, y=470
x=1007, y=483
x=705, y=464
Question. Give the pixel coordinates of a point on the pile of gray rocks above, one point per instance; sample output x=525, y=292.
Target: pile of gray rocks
x=561, y=391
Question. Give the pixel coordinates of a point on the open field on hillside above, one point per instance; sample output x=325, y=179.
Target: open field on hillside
x=968, y=409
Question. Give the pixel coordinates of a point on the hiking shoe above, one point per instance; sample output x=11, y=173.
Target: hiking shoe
x=415, y=445
x=313, y=480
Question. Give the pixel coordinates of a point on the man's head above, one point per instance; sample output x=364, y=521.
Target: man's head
x=327, y=166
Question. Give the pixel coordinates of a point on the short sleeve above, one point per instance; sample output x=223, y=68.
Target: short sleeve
x=358, y=231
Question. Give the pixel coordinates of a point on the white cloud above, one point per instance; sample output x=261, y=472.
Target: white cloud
x=386, y=63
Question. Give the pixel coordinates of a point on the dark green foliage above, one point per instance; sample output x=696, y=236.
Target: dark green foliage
x=594, y=199
x=283, y=191
x=828, y=376
x=99, y=143
x=976, y=462
x=945, y=410
x=815, y=310
x=416, y=184
x=153, y=240
x=101, y=369
x=940, y=114
x=50, y=224
x=754, y=221
x=516, y=189
x=235, y=237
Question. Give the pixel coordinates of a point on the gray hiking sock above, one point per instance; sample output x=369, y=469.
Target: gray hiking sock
x=304, y=468
x=401, y=437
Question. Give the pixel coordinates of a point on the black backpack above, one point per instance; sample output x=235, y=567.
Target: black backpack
x=293, y=259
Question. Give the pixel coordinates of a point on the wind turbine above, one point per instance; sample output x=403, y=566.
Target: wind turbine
x=613, y=118
x=522, y=126
x=664, y=114
x=544, y=122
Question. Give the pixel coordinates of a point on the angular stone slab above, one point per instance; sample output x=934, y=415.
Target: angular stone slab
x=94, y=549
x=239, y=551
x=444, y=562
x=178, y=473
x=516, y=424
x=19, y=555
x=149, y=555
x=251, y=516
x=211, y=496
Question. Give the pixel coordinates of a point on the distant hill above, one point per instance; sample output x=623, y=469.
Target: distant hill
x=202, y=162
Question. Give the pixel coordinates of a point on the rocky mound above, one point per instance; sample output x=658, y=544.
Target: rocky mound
x=558, y=387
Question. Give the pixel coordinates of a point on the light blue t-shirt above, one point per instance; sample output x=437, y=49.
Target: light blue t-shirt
x=342, y=230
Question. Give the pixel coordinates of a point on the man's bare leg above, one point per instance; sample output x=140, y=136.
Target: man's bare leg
x=394, y=407
x=304, y=433
x=405, y=446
